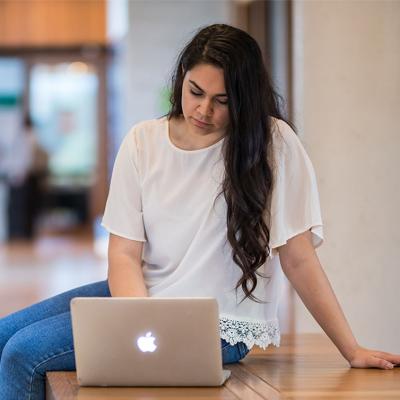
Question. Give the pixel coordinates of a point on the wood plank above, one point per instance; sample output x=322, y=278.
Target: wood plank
x=63, y=385
x=372, y=395
x=310, y=366
x=250, y=386
x=304, y=367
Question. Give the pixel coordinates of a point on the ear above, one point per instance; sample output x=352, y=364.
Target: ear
x=183, y=71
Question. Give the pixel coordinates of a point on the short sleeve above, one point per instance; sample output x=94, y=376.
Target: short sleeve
x=295, y=205
x=123, y=212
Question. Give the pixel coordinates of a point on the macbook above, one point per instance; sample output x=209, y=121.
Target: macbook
x=147, y=341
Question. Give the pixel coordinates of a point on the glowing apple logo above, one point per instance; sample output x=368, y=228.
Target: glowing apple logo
x=146, y=343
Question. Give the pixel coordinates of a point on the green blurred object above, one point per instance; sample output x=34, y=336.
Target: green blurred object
x=164, y=104
x=9, y=100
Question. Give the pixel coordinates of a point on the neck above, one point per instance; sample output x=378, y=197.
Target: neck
x=183, y=135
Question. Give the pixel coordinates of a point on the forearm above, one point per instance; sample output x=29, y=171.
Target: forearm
x=312, y=285
x=125, y=277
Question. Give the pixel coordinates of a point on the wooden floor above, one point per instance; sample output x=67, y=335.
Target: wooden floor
x=304, y=367
x=34, y=270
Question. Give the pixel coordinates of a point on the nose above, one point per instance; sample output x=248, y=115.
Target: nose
x=205, y=108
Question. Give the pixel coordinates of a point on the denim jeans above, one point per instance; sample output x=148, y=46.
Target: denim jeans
x=38, y=339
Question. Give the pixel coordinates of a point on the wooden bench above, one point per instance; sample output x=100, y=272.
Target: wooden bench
x=306, y=367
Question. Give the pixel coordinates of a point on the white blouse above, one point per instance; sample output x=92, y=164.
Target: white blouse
x=166, y=197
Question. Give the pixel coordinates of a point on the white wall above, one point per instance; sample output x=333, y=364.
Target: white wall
x=158, y=30
x=348, y=104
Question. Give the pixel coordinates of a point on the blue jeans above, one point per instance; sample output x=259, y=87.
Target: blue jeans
x=38, y=339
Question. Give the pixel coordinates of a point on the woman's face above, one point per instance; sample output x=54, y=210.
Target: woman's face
x=204, y=100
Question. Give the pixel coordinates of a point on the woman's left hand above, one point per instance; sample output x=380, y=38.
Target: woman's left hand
x=366, y=358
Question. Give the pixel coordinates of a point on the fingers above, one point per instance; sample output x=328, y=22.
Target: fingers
x=392, y=358
x=380, y=363
x=365, y=358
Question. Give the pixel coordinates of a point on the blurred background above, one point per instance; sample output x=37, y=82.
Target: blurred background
x=75, y=75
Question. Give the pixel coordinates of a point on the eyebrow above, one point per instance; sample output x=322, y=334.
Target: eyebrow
x=198, y=87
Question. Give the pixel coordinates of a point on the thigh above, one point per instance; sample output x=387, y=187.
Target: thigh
x=53, y=306
x=233, y=353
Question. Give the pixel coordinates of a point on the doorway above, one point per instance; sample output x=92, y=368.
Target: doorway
x=64, y=93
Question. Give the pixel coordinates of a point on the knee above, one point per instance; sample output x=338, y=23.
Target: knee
x=18, y=377
x=17, y=351
x=5, y=334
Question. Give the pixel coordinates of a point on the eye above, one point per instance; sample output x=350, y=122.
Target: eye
x=223, y=102
x=196, y=93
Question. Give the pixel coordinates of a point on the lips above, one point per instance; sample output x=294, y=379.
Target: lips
x=199, y=123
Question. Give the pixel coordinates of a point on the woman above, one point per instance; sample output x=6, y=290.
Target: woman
x=201, y=203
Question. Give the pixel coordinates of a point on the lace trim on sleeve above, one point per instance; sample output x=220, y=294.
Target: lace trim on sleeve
x=259, y=333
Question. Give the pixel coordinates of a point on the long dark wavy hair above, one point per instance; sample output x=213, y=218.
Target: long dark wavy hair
x=248, y=178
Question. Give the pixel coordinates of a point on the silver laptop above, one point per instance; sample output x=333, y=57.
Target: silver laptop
x=147, y=341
